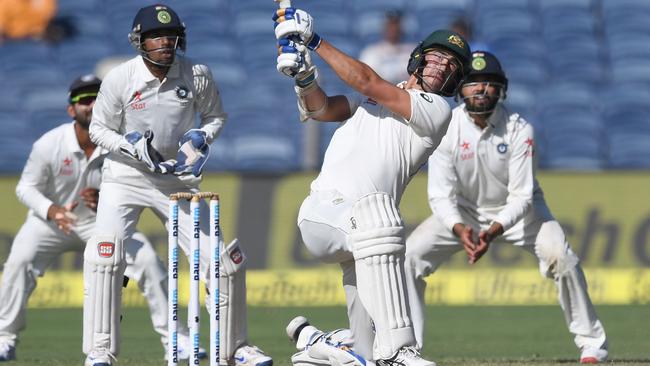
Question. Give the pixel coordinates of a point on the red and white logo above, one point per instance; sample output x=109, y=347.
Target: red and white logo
x=106, y=249
x=236, y=256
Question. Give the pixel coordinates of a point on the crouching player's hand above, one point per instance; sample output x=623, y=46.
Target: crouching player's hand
x=193, y=152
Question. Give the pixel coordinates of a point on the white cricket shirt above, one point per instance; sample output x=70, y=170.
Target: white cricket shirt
x=132, y=99
x=56, y=172
x=489, y=172
x=378, y=151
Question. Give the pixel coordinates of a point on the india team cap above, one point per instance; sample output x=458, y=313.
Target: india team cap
x=154, y=17
x=83, y=87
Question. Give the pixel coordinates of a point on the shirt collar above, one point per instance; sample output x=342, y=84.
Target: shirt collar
x=147, y=76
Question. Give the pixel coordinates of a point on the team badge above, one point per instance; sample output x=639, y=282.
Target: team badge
x=105, y=249
x=164, y=17
x=426, y=97
x=502, y=148
x=478, y=63
x=181, y=92
x=455, y=40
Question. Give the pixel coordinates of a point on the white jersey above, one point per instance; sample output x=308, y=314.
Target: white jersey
x=378, y=151
x=56, y=172
x=488, y=172
x=132, y=99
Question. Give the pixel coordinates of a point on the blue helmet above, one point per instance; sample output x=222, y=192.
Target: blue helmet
x=155, y=17
x=485, y=67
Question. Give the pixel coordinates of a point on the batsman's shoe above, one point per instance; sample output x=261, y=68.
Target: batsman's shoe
x=405, y=356
x=593, y=355
x=251, y=356
x=7, y=352
x=100, y=357
x=301, y=332
x=185, y=349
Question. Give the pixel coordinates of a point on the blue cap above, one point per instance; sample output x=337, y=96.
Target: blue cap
x=154, y=17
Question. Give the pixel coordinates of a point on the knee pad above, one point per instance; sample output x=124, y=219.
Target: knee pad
x=551, y=247
x=104, y=266
x=377, y=243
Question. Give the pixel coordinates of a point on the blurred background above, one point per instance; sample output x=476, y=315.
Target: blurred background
x=579, y=71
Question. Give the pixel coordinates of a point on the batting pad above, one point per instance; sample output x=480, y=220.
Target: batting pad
x=232, y=302
x=104, y=267
x=378, y=247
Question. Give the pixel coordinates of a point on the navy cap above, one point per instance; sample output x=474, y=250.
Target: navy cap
x=154, y=17
x=84, y=86
x=485, y=63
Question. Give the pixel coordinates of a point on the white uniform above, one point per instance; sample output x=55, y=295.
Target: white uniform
x=477, y=176
x=370, y=160
x=132, y=99
x=56, y=172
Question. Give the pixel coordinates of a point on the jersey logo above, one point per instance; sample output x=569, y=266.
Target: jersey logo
x=530, y=149
x=371, y=101
x=181, y=92
x=502, y=148
x=426, y=97
x=105, y=249
x=467, y=153
x=66, y=169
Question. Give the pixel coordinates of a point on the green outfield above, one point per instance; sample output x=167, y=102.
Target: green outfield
x=459, y=335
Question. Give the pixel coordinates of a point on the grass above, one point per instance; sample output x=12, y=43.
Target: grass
x=467, y=335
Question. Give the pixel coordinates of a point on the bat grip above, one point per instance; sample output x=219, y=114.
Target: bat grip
x=284, y=3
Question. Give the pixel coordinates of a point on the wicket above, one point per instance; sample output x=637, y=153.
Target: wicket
x=194, y=306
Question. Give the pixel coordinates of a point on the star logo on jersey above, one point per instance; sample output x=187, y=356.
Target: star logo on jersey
x=67, y=162
x=466, y=154
x=529, y=142
x=137, y=96
x=66, y=169
x=137, y=104
x=465, y=145
x=530, y=149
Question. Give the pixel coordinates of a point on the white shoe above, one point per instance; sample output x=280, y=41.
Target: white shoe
x=593, y=355
x=405, y=356
x=251, y=356
x=185, y=349
x=7, y=352
x=99, y=357
x=301, y=332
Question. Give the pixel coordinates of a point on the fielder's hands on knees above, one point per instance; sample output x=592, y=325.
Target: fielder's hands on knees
x=63, y=216
x=138, y=146
x=295, y=22
x=90, y=196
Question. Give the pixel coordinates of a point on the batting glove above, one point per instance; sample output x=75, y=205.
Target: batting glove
x=193, y=152
x=138, y=146
x=291, y=21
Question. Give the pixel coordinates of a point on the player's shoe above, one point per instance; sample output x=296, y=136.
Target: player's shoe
x=405, y=356
x=251, y=356
x=7, y=352
x=593, y=355
x=185, y=349
x=301, y=332
x=99, y=357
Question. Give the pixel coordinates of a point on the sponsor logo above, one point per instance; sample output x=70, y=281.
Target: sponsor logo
x=502, y=148
x=426, y=97
x=467, y=153
x=105, y=249
x=530, y=149
x=137, y=104
x=66, y=169
x=371, y=101
x=353, y=223
x=236, y=256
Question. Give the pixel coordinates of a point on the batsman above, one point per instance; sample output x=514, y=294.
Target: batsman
x=145, y=116
x=351, y=216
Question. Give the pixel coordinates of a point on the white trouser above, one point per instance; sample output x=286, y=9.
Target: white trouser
x=432, y=244
x=38, y=243
x=325, y=225
x=119, y=209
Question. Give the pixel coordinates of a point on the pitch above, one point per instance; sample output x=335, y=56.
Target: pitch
x=458, y=335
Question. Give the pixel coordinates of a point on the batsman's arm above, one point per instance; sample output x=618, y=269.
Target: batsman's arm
x=34, y=180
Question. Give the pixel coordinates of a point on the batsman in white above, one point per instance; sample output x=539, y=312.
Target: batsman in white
x=60, y=186
x=386, y=133
x=145, y=116
x=482, y=189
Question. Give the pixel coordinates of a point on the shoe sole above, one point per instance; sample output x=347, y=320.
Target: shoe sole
x=589, y=360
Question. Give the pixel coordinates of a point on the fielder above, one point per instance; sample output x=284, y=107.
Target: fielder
x=387, y=132
x=59, y=185
x=482, y=188
x=145, y=116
